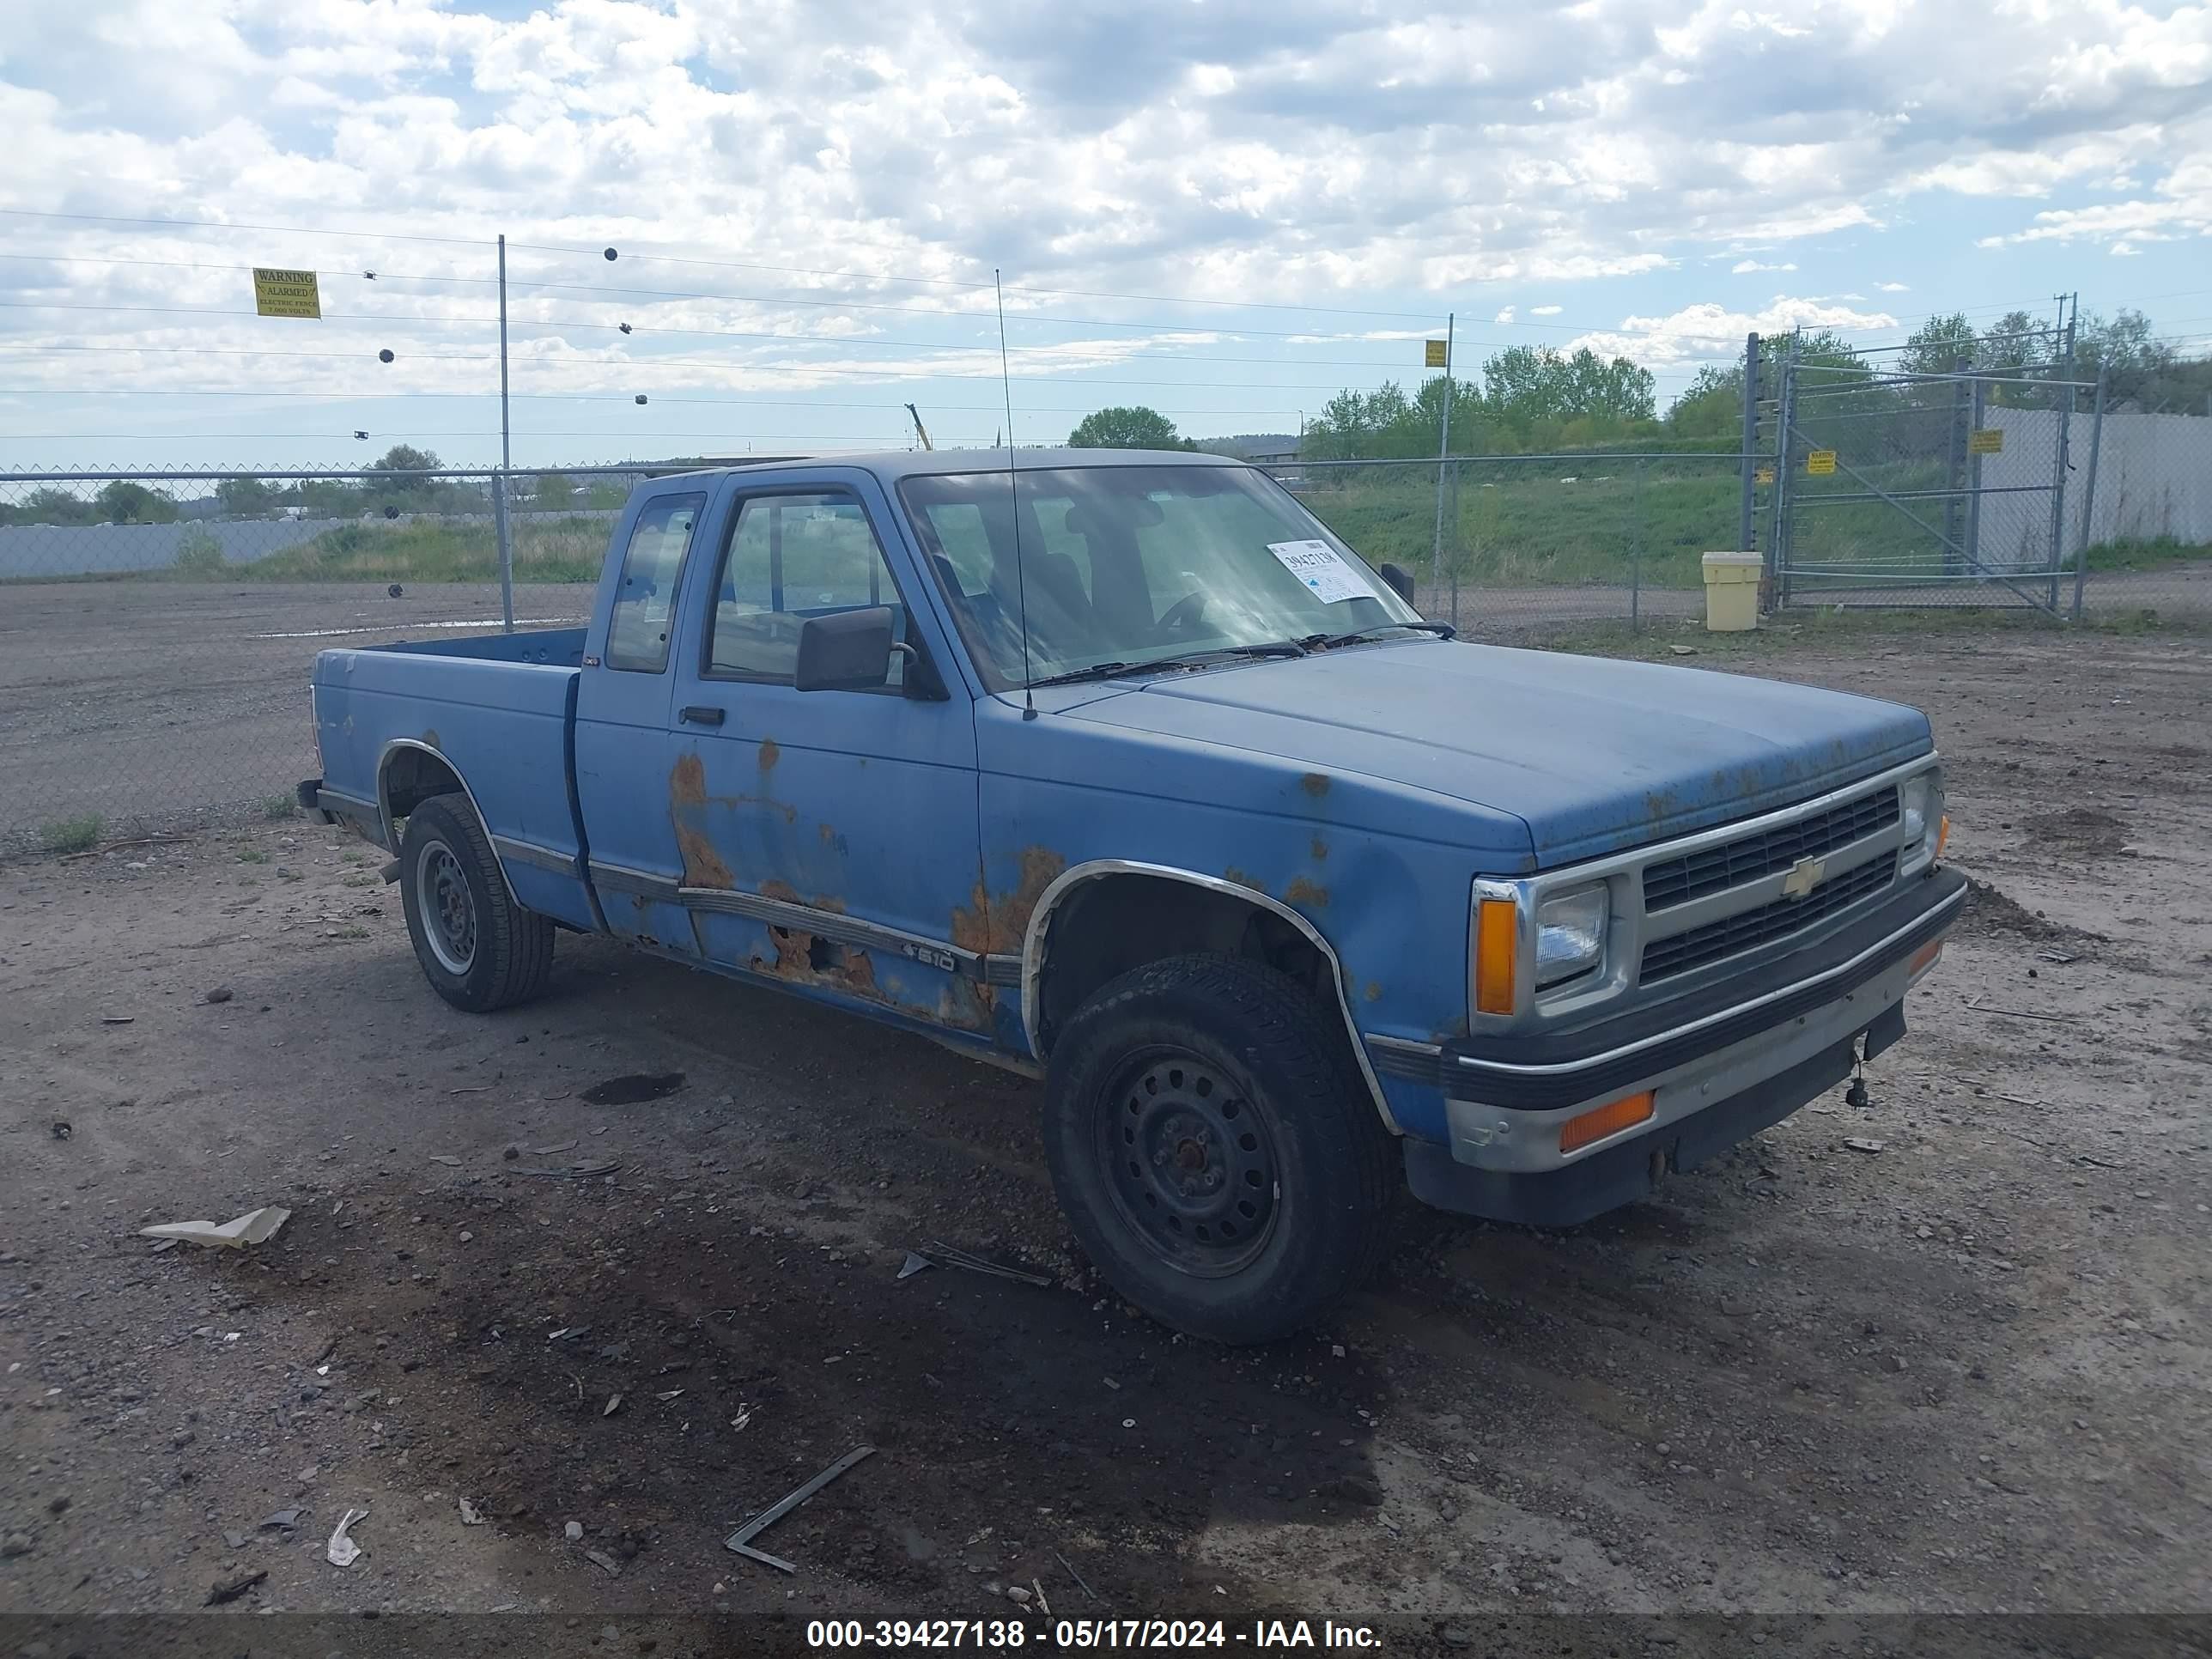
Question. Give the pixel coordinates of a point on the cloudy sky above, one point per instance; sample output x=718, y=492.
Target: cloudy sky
x=1227, y=209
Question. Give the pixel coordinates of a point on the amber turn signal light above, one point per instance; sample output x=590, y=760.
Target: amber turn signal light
x=1497, y=951
x=1609, y=1119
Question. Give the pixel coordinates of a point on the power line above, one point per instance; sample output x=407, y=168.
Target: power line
x=241, y=351
x=1624, y=330
x=638, y=366
x=220, y=224
x=848, y=343
x=574, y=396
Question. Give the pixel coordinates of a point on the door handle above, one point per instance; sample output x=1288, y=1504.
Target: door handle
x=702, y=716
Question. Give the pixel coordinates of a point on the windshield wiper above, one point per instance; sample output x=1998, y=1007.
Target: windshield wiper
x=1330, y=642
x=1108, y=671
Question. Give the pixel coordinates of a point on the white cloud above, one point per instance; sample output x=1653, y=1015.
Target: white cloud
x=1503, y=316
x=1711, y=330
x=1291, y=151
x=1895, y=288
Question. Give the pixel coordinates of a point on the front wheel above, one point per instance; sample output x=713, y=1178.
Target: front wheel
x=478, y=948
x=1215, y=1150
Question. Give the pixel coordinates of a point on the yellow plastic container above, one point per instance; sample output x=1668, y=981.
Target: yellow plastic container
x=1731, y=593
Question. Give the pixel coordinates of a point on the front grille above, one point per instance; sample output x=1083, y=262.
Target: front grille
x=1665, y=957
x=1731, y=863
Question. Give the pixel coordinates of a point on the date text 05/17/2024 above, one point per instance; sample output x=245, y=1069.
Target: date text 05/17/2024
x=1262, y=1635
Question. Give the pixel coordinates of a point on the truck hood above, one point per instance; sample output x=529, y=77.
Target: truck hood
x=1594, y=756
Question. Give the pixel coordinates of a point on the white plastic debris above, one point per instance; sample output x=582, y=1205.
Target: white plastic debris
x=254, y=1227
x=341, y=1550
x=471, y=1515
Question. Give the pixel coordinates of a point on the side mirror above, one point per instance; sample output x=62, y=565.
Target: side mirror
x=1400, y=583
x=845, y=650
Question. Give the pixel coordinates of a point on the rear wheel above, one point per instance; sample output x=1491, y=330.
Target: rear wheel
x=1215, y=1149
x=477, y=947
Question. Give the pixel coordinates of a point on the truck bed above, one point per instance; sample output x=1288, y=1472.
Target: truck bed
x=560, y=648
x=500, y=710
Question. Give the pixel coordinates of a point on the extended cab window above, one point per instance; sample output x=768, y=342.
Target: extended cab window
x=652, y=565
x=792, y=557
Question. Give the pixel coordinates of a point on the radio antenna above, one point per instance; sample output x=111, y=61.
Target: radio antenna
x=1014, y=504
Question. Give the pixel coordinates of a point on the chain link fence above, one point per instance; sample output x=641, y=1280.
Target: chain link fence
x=158, y=629
x=1516, y=547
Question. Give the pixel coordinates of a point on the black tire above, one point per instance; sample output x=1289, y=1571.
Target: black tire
x=1238, y=1211
x=478, y=948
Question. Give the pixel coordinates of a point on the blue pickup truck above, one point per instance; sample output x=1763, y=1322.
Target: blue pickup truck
x=1121, y=769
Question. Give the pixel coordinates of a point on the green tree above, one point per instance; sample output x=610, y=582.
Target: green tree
x=2131, y=355
x=557, y=491
x=1711, y=406
x=1127, y=427
x=47, y=505
x=405, y=458
x=1526, y=387
x=1939, y=345
x=245, y=498
x=120, y=501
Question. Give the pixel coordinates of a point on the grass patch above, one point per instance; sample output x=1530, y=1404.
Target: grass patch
x=276, y=807
x=2155, y=553
x=1655, y=641
x=77, y=835
x=251, y=855
x=424, y=550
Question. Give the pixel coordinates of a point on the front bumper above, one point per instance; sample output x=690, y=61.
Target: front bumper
x=1721, y=1064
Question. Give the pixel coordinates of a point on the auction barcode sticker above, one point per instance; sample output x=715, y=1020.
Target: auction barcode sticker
x=1323, y=569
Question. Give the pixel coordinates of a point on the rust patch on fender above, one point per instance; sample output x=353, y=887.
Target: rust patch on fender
x=687, y=800
x=430, y=737
x=1374, y=992
x=1244, y=878
x=1000, y=926
x=769, y=754
x=1305, y=891
x=1315, y=784
x=1319, y=848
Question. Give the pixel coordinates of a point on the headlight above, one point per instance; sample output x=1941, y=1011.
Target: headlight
x=1571, y=934
x=1920, y=802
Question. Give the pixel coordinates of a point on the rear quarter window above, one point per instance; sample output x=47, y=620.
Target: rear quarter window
x=652, y=569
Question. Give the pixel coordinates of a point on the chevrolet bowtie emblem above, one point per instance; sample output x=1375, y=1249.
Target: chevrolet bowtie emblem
x=1804, y=876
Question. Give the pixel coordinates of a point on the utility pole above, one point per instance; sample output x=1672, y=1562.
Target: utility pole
x=505, y=461
x=1444, y=449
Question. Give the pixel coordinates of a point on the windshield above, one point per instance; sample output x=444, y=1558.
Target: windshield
x=1134, y=565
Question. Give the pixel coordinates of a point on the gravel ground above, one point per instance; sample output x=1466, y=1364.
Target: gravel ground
x=1963, y=1373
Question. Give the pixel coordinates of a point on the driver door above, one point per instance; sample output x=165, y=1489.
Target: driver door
x=829, y=836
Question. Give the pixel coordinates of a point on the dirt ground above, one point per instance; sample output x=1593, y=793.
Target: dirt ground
x=1964, y=1373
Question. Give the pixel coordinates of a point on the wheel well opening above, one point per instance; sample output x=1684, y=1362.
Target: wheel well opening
x=412, y=776
x=1114, y=924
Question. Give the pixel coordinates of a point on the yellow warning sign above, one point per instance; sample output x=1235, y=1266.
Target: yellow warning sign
x=1820, y=462
x=1988, y=440
x=286, y=292
x=1765, y=475
x=1436, y=357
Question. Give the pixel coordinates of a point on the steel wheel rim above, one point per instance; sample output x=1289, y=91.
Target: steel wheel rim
x=1189, y=1163
x=446, y=907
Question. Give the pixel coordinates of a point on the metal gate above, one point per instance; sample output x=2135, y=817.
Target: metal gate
x=1895, y=483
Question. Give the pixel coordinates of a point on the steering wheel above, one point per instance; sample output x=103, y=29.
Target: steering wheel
x=1185, y=613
